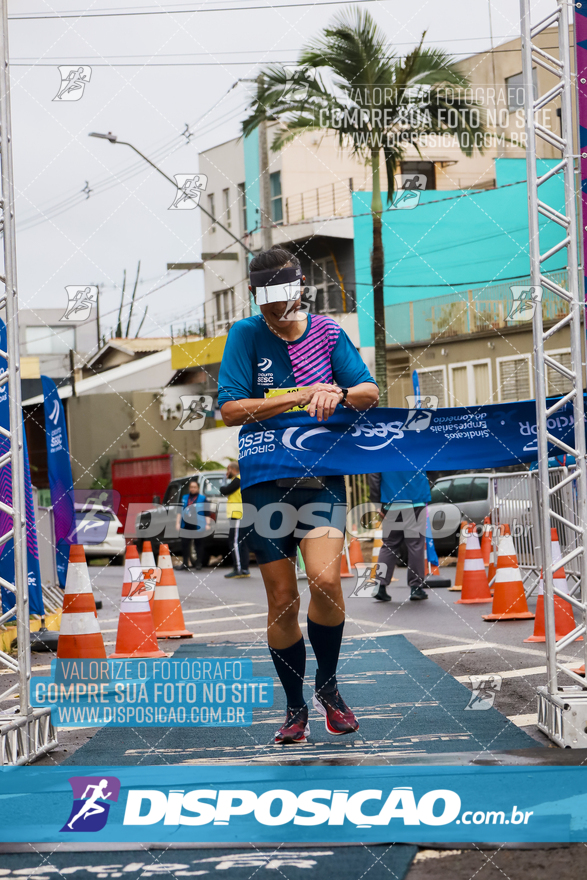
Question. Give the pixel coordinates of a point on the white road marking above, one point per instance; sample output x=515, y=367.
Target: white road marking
x=512, y=673
x=387, y=632
x=195, y=610
x=524, y=720
x=234, y=617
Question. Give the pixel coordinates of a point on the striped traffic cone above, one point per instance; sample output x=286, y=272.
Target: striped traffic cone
x=147, y=555
x=564, y=619
x=132, y=565
x=475, y=587
x=167, y=613
x=377, y=545
x=509, y=599
x=135, y=636
x=355, y=553
x=458, y=584
x=486, y=543
x=80, y=634
x=345, y=562
x=131, y=560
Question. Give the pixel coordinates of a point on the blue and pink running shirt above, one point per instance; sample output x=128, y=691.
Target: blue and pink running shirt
x=256, y=362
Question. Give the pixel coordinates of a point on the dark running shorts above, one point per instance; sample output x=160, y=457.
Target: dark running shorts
x=283, y=516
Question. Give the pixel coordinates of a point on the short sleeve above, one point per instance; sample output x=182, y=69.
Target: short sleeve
x=348, y=367
x=235, y=379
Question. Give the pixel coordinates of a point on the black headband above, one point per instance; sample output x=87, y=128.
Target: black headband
x=281, y=275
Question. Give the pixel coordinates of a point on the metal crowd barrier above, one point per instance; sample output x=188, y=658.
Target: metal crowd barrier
x=514, y=499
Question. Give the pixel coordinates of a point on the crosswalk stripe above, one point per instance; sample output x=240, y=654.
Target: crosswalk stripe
x=193, y=610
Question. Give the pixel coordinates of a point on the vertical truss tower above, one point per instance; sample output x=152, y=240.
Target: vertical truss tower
x=562, y=704
x=25, y=733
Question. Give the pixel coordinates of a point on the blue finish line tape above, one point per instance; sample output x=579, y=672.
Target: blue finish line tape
x=205, y=804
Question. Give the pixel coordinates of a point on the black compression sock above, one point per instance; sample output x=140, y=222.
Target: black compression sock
x=290, y=664
x=326, y=642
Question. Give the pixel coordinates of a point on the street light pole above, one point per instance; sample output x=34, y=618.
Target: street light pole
x=114, y=140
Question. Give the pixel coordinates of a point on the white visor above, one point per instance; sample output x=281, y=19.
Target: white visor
x=288, y=292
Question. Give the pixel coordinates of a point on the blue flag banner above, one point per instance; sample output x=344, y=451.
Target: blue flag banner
x=431, y=553
x=312, y=804
x=7, y=549
x=386, y=439
x=60, y=477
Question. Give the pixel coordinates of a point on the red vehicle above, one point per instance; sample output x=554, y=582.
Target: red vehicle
x=140, y=481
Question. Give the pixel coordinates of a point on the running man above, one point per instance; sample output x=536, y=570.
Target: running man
x=91, y=808
x=286, y=359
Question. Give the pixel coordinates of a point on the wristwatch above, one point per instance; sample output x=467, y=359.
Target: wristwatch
x=345, y=391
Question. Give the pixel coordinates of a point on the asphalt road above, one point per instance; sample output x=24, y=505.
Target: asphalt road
x=455, y=636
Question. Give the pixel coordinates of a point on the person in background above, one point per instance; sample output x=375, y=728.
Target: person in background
x=405, y=494
x=234, y=512
x=191, y=500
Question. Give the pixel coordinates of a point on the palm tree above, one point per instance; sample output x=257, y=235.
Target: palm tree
x=351, y=82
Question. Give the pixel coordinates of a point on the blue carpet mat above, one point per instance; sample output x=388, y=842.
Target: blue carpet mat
x=289, y=862
x=406, y=704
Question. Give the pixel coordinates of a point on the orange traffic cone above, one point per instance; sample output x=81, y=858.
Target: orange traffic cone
x=132, y=564
x=509, y=599
x=167, y=613
x=458, y=584
x=147, y=556
x=136, y=634
x=475, y=587
x=345, y=568
x=80, y=634
x=377, y=545
x=486, y=542
x=564, y=619
x=131, y=560
x=355, y=553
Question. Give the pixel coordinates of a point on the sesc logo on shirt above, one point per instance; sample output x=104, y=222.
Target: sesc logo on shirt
x=264, y=377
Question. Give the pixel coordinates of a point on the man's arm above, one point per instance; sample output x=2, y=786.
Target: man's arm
x=374, y=481
x=233, y=486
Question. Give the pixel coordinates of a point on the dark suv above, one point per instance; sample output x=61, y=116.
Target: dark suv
x=160, y=521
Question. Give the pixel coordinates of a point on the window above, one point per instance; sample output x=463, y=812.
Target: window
x=325, y=280
x=427, y=168
x=513, y=378
x=480, y=489
x=455, y=491
x=276, y=202
x=211, y=485
x=224, y=309
x=470, y=384
x=433, y=381
x=557, y=385
x=226, y=198
x=515, y=89
x=242, y=194
x=439, y=494
x=212, y=212
x=460, y=490
x=49, y=340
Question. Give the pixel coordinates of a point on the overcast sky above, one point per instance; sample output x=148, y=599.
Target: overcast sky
x=152, y=74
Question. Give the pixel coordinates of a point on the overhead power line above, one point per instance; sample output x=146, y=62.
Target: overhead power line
x=193, y=11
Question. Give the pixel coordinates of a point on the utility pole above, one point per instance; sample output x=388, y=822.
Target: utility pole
x=264, y=184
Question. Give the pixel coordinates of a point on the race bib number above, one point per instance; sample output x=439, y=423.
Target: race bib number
x=274, y=392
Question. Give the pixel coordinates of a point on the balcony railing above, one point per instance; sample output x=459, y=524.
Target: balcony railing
x=330, y=200
x=466, y=312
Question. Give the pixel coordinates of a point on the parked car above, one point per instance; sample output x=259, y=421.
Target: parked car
x=98, y=532
x=468, y=492
x=160, y=521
